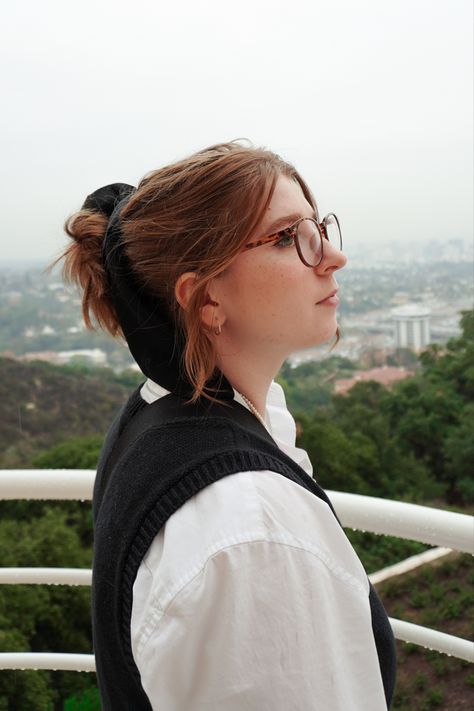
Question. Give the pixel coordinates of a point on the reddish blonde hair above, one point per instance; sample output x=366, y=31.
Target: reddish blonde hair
x=192, y=216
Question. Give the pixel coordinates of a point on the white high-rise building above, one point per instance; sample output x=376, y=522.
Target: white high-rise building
x=411, y=326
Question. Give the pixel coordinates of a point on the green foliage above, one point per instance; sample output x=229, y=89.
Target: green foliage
x=427, y=679
x=337, y=460
x=419, y=681
x=454, y=363
x=77, y=453
x=310, y=385
x=21, y=690
x=87, y=701
x=433, y=699
x=43, y=617
x=458, y=454
x=413, y=442
x=377, y=552
x=354, y=448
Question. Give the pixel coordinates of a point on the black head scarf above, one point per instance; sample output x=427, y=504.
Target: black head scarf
x=154, y=342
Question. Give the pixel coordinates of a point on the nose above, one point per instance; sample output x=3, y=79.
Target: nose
x=333, y=259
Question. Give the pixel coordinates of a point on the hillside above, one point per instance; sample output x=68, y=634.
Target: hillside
x=440, y=596
x=413, y=442
x=42, y=405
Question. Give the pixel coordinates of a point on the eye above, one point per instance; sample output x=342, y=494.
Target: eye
x=286, y=239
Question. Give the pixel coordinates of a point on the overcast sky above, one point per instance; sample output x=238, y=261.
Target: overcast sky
x=371, y=99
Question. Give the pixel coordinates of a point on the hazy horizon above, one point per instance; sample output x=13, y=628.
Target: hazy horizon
x=372, y=101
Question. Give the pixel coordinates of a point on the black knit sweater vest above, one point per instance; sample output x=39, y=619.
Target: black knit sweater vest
x=156, y=457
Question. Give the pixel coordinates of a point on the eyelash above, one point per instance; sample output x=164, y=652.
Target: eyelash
x=283, y=236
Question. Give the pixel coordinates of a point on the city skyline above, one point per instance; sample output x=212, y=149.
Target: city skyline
x=40, y=316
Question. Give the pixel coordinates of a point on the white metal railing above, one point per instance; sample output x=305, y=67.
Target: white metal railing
x=397, y=518
x=45, y=576
x=59, y=484
x=419, y=523
x=47, y=660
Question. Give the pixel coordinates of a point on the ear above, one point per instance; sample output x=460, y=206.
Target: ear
x=210, y=312
x=184, y=288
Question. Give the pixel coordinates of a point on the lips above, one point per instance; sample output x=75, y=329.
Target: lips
x=330, y=299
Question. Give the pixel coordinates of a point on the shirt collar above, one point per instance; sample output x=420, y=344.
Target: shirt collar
x=277, y=416
x=278, y=419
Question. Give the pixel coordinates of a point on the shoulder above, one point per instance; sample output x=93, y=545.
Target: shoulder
x=238, y=510
x=254, y=531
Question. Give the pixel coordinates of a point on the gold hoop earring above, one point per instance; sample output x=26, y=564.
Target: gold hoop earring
x=218, y=329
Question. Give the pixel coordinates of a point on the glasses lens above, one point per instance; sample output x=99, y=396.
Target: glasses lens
x=309, y=242
x=333, y=231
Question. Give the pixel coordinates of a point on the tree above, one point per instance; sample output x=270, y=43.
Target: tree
x=458, y=453
x=74, y=453
x=40, y=617
x=336, y=459
x=454, y=363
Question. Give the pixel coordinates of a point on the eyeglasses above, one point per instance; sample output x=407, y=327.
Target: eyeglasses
x=308, y=235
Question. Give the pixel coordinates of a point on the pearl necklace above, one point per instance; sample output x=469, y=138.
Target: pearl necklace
x=253, y=410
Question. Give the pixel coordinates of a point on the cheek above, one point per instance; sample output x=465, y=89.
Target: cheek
x=269, y=285
x=268, y=290
x=279, y=295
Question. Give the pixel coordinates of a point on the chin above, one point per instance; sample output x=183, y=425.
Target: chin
x=328, y=334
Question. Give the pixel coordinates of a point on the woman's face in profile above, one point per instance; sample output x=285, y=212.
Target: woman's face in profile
x=270, y=298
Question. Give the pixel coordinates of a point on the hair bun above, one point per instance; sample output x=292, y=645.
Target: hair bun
x=106, y=198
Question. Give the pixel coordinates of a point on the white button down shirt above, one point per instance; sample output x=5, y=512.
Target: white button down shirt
x=251, y=598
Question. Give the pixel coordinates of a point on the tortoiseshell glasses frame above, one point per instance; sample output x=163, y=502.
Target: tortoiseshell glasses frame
x=334, y=236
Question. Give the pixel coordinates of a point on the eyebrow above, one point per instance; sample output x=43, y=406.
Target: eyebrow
x=285, y=221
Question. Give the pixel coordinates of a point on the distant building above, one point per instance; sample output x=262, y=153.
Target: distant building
x=387, y=375
x=411, y=326
x=47, y=356
x=96, y=356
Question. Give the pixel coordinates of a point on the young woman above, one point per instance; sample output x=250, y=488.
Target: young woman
x=222, y=578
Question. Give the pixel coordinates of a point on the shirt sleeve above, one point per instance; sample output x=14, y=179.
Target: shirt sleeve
x=264, y=625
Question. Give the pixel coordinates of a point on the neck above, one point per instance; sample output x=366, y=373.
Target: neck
x=251, y=375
